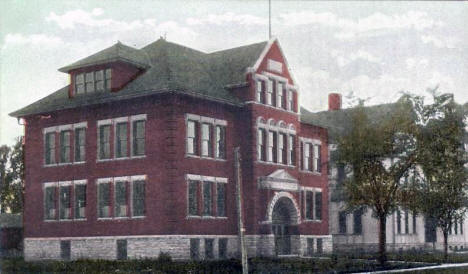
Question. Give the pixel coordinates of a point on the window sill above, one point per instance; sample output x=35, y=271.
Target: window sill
x=311, y=221
x=64, y=164
x=204, y=158
x=206, y=217
x=311, y=172
x=64, y=220
x=120, y=218
x=273, y=163
x=271, y=106
x=120, y=159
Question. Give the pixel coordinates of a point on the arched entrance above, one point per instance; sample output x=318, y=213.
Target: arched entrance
x=281, y=225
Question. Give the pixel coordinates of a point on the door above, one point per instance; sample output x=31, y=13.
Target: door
x=282, y=239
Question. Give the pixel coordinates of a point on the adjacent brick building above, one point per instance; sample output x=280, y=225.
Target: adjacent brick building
x=136, y=157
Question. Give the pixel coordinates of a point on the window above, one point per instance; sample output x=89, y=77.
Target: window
x=290, y=100
x=261, y=147
x=282, y=149
x=260, y=86
x=79, y=84
x=50, y=203
x=65, y=202
x=194, y=249
x=50, y=148
x=222, y=248
x=341, y=175
x=207, y=199
x=280, y=95
x=318, y=205
x=79, y=144
x=461, y=226
x=121, y=249
x=138, y=198
x=65, y=146
x=192, y=198
x=398, y=221
x=139, y=138
x=65, y=249
x=357, y=222
x=104, y=200
x=272, y=147
x=104, y=142
x=406, y=222
x=317, y=158
x=414, y=222
x=206, y=133
x=191, y=137
x=220, y=200
x=93, y=81
x=306, y=162
x=319, y=245
x=456, y=227
x=209, y=249
x=121, y=140
x=309, y=201
x=310, y=246
x=342, y=222
x=120, y=205
x=80, y=201
x=220, y=142
x=292, y=150
x=269, y=96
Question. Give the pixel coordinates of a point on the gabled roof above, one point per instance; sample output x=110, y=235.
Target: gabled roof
x=170, y=68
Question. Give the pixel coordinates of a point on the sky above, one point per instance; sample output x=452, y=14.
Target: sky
x=370, y=50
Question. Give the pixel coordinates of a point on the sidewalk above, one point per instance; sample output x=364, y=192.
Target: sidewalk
x=442, y=266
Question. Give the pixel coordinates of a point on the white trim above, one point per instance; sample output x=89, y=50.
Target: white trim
x=49, y=129
x=138, y=178
x=104, y=180
x=120, y=120
x=192, y=117
x=292, y=88
x=219, y=122
x=80, y=182
x=273, y=107
x=258, y=76
x=121, y=179
x=221, y=180
x=207, y=120
x=65, y=183
x=64, y=127
x=265, y=50
x=138, y=117
x=193, y=177
x=310, y=140
x=208, y=179
x=49, y=184
x=273, y=65
x=104, y=122
x=275, y=77
x=314, y=189
x=80, y=125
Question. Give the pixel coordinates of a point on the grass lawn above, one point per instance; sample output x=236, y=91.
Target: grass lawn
x=256, y=265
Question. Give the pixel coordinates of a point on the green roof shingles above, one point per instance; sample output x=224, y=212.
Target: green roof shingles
x=170, y=68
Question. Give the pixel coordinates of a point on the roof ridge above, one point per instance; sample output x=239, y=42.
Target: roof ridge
x=236, y=48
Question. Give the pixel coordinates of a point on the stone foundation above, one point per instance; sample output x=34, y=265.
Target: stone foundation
x=177, y=246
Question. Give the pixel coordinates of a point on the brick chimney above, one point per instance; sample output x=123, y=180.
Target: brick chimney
x=334, y=101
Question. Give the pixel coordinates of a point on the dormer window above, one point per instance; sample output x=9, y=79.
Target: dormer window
x=93, y=81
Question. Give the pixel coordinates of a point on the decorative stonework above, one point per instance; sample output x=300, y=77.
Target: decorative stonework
x=295, y=213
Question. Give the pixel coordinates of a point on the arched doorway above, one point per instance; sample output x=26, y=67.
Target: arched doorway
x=281, y=225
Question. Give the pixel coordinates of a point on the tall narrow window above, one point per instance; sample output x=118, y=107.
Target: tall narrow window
x=79, y=84
x=222, y=248
x=100, y=83
x=456, y=227
x=80, y=201
x=65, y=146
x=104, y=200
x=79, y=144
x=220, y=142
x=317, y=158
x=50, y=148
x=120, y=205
x=342, y=222
x=357, y=220
x=65, y=202
x=309, y=203
x=138, y=198
x=89, y=81
x=406, y=222
x=191, y=137
x=318, y=205
x=310, y=246
x=192, y=198
x=292, y=150
x=282, y=156
x=108, y=79
x=280, y=95
x=269, y=95
x=272, y=146
x=50, y=203
x=461, y=226
x=207, y=199
x=121, y=140
x=209, y=249
x=261, y=145
x=194, y=249
x=290, y=100
x=139, y=138
x=259, y=91
x=306, y=162
x=414, y=222
x=104, y=142
x=206, y=140
x=398, y=221
x=221, y=200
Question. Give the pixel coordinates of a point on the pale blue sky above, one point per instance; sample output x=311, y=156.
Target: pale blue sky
x=374, y=49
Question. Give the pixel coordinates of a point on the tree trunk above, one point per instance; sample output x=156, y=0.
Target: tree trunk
x=445, y=232
x=382, y=239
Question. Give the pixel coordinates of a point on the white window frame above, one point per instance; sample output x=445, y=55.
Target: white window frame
x=314, y=190
x=269, y=92
x=213, y=122
x=200, y=179
x=278, y=128
x=57, y=186
x=310, y=144
x=57, y=130
x=133, y=119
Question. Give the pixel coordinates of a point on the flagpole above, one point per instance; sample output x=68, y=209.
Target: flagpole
x=269, y=19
